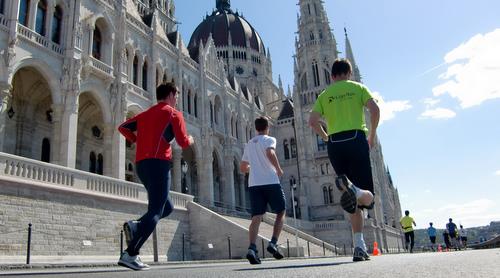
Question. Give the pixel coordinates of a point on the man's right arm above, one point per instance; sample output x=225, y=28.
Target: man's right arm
x=316, y=126
x=179, y=127
x=128, y=129
x=271, y=155
x=374, y=120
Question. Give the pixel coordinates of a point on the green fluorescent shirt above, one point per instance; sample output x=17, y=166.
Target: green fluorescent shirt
x=342, y=106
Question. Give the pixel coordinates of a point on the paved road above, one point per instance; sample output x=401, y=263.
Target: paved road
x=481, y=263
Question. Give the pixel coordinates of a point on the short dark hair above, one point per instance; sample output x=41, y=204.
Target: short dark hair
x=430, y=223
x=407, y=212
x=261, y=123
x=341, y=66
x=165, y=90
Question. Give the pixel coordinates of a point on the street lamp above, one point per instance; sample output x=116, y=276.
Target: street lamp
x=293, y=186
x=184, y=169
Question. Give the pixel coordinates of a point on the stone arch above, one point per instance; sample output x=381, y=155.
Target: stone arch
x=29, y=117
x=217, y=175
x=45, y=71
x=98, y=91
x=105, y=25
x=91, y=129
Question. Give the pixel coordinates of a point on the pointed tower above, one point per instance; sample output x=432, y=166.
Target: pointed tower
x=356, y=76
x=316, y=49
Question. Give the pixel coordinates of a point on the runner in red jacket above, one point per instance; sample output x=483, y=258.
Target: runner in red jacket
x=152, y=131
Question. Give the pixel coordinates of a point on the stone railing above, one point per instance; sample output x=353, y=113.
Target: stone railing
x=101, y=66
x=138, y=91
x=35, y=172
x=38, y=39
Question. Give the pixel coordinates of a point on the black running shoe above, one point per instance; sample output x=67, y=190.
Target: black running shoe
x=360, y=255
x=348, y=200
x=252, y=257
x=273, y=249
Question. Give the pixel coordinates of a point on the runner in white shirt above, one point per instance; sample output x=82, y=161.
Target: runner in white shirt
x=463, y=236
x=259, y=159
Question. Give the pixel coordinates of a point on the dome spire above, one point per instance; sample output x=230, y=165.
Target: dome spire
x=223, y=5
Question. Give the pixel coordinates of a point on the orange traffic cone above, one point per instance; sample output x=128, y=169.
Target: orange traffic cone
x=376, y=252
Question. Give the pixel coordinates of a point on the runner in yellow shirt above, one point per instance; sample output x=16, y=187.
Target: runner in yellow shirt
x=342, y=105
x=407, y=224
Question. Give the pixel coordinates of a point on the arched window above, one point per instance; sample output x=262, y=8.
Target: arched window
x=286, y=150
x=24, y=10
x=327, y=77
x=57, y=25
x=100, y=164
x=92, y=162
x=41, y=15
x=157, y=78
x=293, y=147
x=325, y=196
x=97, y=44
x=195, y=106
x=315, y=73
x=189, y=102
x=311, y=36
x=145, y=76
x=330, y=194
x=236, y=129
x=45, y=150
x=135, y=71
x=211, y=114
x=2, y=4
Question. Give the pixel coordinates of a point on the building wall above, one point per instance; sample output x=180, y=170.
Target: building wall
x=64, y=222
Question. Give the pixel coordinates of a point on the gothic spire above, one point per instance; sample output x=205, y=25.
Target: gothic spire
x=350, y=56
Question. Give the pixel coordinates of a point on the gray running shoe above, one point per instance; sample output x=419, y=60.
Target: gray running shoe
x=274, y=250
x=360, y=255
x=348, y=200
x=252, y=257
x=132, y=262
x=129, y=229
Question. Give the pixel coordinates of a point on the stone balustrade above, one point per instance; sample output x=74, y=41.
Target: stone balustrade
x=36, y=172
x=34, y=37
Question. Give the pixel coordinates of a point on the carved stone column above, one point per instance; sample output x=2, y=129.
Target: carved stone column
x=176, y=172
x=229, y=198
x=68, y=135
x=5, y=95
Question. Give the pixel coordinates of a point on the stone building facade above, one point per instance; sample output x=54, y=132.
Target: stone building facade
x=72, y=71
x=304, y=154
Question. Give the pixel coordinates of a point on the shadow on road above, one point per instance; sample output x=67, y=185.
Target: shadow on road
x=54, y=273
x=293, y=266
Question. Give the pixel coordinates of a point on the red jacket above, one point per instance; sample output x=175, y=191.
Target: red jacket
x=153, y=130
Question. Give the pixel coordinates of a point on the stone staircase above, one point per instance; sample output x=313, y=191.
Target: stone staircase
x=308, y=246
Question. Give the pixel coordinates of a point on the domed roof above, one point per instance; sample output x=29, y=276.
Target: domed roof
x=222, y=24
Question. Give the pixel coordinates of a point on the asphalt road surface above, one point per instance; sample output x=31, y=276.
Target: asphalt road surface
x=464, y=264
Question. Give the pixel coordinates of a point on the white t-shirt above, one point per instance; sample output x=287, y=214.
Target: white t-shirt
x=262, y=172
x=463, y=233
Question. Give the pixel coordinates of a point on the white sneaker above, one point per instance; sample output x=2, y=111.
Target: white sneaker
x=132, y=262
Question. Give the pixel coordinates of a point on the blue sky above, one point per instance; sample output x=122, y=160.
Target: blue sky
x=435, y=68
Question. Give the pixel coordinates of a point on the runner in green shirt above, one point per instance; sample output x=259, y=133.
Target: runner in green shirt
x=342, y=105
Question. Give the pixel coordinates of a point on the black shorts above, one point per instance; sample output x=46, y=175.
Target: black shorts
x=452, y=235
x=463, y=238
x=349, y=154
x=262, y=195
x=433, y=239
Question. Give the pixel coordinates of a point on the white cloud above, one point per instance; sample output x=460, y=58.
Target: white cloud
x=497, y=173
x=438, y=113
x=473, y=71
x=389, y=109
x=475, y=213
x=430, y=102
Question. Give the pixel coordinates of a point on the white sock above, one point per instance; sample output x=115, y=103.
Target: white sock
x=359, y=193
x=359, y=241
